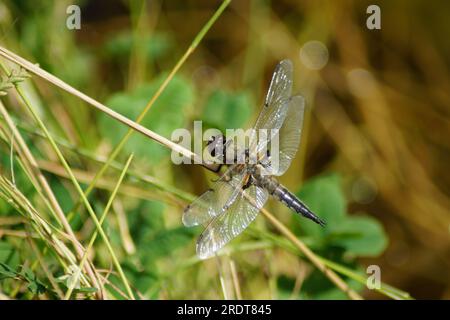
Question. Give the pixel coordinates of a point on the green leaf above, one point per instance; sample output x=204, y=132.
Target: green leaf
x=323, y=195
x=166, y=115
x=360, y=235
x=165, y=242
x=227, y=110
x=146, y=221
x=6, y=271
x=142, y=279
x=357, y=235
x=27, y=273
x=8, y=254
x=4, y=207
x=36, y=287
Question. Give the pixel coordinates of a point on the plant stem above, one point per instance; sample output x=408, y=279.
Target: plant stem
x=102, y=218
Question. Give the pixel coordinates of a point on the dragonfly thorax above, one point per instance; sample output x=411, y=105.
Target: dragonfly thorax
x=226, y=151
x=261, y=178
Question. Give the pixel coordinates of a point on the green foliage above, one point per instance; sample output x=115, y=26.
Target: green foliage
x=153, y=239
x=6, y=271
x=121, y=45
x=166, y=115
x=344, y=238
x=69, y=61
x=166, y=241
x=63, y=194
x=20, y=177
x=315, y=287
x=8, y=254
x=9, y=81
x=227, y=110
x=34, y=285
x=154, y=242
x=327, y=291
x=360, y=236
x=356, y=235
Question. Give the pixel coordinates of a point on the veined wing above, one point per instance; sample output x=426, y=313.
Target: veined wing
x=226, y=226
x=216, y=200
x=288, y=137
x=275, y=107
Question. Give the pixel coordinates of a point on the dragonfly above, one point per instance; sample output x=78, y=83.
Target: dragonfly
x=235, y=199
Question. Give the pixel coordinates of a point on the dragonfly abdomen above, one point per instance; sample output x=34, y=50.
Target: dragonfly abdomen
x=281, y=193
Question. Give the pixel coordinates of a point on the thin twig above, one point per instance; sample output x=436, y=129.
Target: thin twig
x=124, y=229
x=11, y=158
x=235, y=277
x=222, y=278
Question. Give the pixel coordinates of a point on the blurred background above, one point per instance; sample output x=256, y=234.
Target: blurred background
x=374, y=157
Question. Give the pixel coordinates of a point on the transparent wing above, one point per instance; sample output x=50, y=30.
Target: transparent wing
x=201, y=210
x=226, y=226
x=276, y=104
x=288, y=138
x=216, y=200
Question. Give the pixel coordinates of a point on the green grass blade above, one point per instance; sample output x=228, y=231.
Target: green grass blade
x=102, y=218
